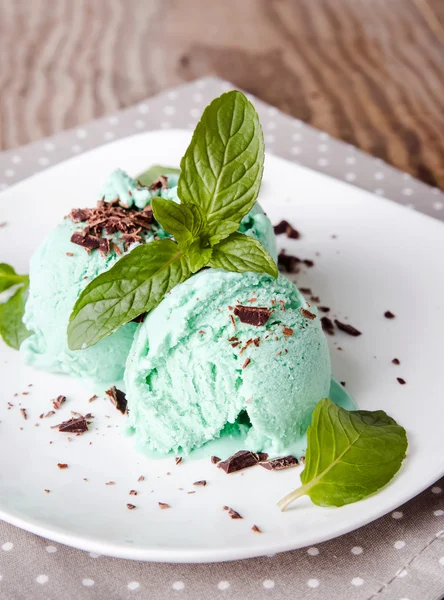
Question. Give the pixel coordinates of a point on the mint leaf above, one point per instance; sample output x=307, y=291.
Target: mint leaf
x=242, y=253
x=198, y=257
x=12, y=328
x=184, y=221
x=8, y=277
x=221, y=170
x=350, y=455
x=134, y=285
x=147, y=177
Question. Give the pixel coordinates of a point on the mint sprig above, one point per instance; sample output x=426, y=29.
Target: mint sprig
x=219, y=181
x=350, y=455
x=12, y=328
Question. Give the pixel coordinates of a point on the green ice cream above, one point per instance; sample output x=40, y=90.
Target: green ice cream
x=190, y=372
x=60, y=270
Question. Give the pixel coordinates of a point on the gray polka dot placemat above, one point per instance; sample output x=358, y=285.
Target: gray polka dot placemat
x=398, y=557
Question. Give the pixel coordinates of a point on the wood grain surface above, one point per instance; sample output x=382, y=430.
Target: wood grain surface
x=370, y=72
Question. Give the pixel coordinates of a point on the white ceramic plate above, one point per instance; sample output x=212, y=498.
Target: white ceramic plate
x=383, y=257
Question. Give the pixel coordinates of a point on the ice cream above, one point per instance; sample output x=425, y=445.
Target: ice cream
x=195, y=367
x=60, y=270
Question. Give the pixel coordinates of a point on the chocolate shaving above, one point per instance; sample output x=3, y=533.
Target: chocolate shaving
x=110, y=483
x=288, y=263
x=118, y=398
x=130, y=506
x=324, y=309
x=285, y=227
x=288, y=331
x=305, y=290
x=133, y=493
x=257, y=341
x=47, y=491
x=201, y=483
x=93, y=398
x=57, y=403
x=233, y=321
x=88, y=242
x=159, y=183
x=347, y=328
x=23, y=411
x=389, y=315
x=215, y=460
x=141, y=478
x=62, y=465
x=327, y=325
x=242, y=460
x=69, y=254
x=246, y=363
x=252, y=315
x=307, y=314
x=401, y=380
x=104, y=245
x=277, y=464
x=308, y=263
x=247, y=343
x=178, y=460
x=163, y=505
x=396, y=361
x=256, y=529
x=233, y=513
x=74, y=425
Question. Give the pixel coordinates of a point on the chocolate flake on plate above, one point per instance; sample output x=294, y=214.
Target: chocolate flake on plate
x=324, y=309
x=256, y=529
x=163, y=505
x=277, y=464
x=93, y=398
x=327, y=325
x=252, y=315
x=141, y=478
x=347, y=328
x=69, y=254
x=130, y=506
x=288, y=262
x=118, y=398
x=23, y=411
x=401, y=380
x=62, y=465
x=77, y=424
x=307, y=314
x=133, y=493
x=289, y=230
x=57, y=403
x=47, y=491
x=308, y=262
x=178, y=460
x=396, y=361
x=215, y=460
x=243, y=459
x=233, y=513
x=389, y=315
x=201, y=483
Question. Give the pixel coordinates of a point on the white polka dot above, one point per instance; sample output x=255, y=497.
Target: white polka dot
x=401, y=573
x=313, y=583
x=407, y=191
x=42, y=579
x=201, y=84
x=268, y=584
x=76, y=148
x=178, y=585
x=43, y=160
x=323, y=148
x=223, y=585
x=350, y=160
x=172, y=95
x=113, y=120
x=272, y=111
x=139, y=123
x=169, y=110
x=379, y=175
x=297, y=137
x=271, y=125
x=438, y=513
x=399, y=545
x=269, y=138
x=88, y=582
x=356, y=550
x=94, y=555
x=379, y=191
x=49, y=146
x=350, y=176
x=16, y=159
x=81, y=133
x=323, y=162
x=323, y=136
x=197, y=97
x=441, y=561
x=109, y=135
x=357, y=581
x=165, y=125
x=51, y=549
x=143, y=109
x=133, y=585
x=9, y=173
x=398, y=514
x=195, y=113
x=295, y=150
x=313, y=551
x=436, y=490
x=8, y=546
x=438, y=205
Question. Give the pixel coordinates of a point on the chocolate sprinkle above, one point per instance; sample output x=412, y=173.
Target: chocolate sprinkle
x=327, y=325
x=347, y=328
x=288, y=262
x=389, y=315
x=256, y=529
x=215, y=460
x=242, y=460
x=118, y=398
x=401, y=380
x=163, y=505
x=23, y=411
x=178, y=460
x=57, y=403
x=307, y=314
x=277, y=464
x=285, y=227
x=62, y=465
x=201, y=483
x=288, y=331
x=396, y=361
x=252, y=315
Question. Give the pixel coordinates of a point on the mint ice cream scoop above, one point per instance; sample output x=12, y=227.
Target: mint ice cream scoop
x=195, y=367
x=60, y=270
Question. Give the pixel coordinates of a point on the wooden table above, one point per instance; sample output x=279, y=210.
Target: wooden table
x=370, y=72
